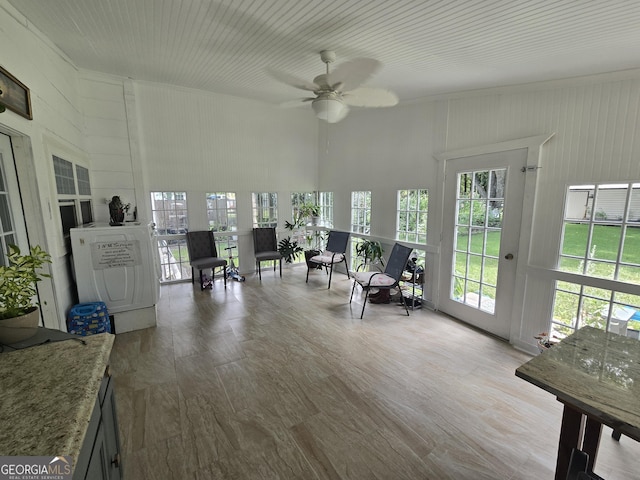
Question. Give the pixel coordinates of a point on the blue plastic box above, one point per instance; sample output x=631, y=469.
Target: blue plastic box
x=89, y=319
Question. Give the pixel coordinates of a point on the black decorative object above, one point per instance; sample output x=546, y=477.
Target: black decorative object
x=116, y=211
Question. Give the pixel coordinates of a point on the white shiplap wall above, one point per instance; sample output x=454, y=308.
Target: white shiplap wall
x=108, y=141
x=57, y=126
x=201, y=141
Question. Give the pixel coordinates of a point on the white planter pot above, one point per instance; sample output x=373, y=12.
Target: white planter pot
x=17, y=329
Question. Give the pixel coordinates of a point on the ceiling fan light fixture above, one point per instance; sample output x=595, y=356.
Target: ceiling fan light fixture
x=331, y=110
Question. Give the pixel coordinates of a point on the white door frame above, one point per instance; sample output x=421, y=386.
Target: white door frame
x=34, y=221
x=534, y=147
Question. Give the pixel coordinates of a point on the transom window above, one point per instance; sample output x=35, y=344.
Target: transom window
x=222, y=211
x=361, y=212
x=265, y=209
x=600, y=240
x=411, y=222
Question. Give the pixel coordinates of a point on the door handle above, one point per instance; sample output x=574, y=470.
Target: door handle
x=509, y=256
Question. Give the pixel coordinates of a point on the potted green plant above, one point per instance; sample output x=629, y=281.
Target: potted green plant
x=370, y=252
x=19, y=315
x=308, y=211
x=289, y=249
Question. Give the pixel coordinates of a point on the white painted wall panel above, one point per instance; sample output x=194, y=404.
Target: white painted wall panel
x=57, y=124
x=201, y=141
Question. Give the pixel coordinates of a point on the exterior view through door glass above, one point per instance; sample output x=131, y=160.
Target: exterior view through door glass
x=481, y=231
x=479, y=212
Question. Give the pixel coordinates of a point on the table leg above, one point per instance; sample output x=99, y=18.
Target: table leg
x=592, y=431
x=570, y=438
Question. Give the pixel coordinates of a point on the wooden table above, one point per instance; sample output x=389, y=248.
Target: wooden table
x=596, y=376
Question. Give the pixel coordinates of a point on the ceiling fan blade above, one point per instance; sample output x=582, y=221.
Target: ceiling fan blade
x=298, y=102
x=370, y=97
x=352, y=74
x=292, y=80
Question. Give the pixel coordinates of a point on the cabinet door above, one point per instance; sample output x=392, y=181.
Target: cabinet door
x=111, y=434
x=98, y=463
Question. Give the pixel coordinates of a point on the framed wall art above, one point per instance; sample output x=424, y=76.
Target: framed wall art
x=14, y=95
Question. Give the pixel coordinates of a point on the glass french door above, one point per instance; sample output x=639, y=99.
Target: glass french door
x=482, y=214
x=12, y=230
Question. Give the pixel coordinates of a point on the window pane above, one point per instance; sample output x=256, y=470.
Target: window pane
x=565, y=308
x=633, y=215
x=475, y=267
x=84, y=184
x=601, y=269
x=63, y=170
x=492, y=245
x=574, y=239
x=464, y=210
x=630, y=274
x=490, y=271
x=462, y=237
x=460, y=260
x=631, y=248
x=572, y=265
x=477, y=240
x=605, y=242
x=610, y=201
x=478, y=211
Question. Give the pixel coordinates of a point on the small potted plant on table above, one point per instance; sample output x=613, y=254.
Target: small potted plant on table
x=19, y=314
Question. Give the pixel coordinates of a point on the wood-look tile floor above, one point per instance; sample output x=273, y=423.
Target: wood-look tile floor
x=281, y=380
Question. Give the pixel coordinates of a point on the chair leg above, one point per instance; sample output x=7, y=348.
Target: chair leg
x=192, y=275
x=352, y=290
x=346, y=266
x=224, y=274
x=201, y=281
x=330, y=275
x=280, y=268
x=364, y=304
x=259, y=269
x=307, y=280
x=404, y=302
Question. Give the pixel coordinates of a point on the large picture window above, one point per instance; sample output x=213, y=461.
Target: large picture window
x=600, y=240
x=222, y=211
x=265, y=209
x=169, y=213
x=325, y=202
x=411, y=222
x=361, y=212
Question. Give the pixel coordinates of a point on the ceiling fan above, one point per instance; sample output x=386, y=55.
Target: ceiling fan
x=336, y=91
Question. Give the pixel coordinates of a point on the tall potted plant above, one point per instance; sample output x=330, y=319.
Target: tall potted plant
x=370, y=252
x=19, y=314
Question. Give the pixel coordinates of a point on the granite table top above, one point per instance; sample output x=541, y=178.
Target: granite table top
x=596, y=372
x=47, y=395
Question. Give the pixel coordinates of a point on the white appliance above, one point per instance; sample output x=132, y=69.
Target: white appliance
x=118, y=265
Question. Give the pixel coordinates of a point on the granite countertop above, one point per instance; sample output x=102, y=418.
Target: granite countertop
x=47, y=395
x=595, y=371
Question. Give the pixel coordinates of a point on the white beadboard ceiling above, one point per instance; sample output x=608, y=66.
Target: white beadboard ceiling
x=427, y=47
